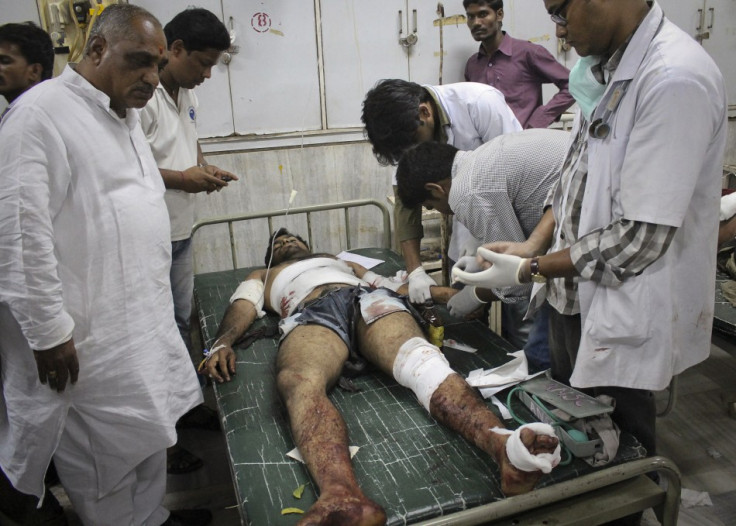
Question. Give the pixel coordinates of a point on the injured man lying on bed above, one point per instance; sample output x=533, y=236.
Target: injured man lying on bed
x=335, y=314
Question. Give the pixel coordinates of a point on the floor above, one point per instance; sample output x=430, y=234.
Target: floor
x=698, y=435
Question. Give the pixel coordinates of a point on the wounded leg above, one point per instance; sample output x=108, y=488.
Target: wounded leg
x=395, y=344
x=456, y=405
x=309, y=362
x=421, y=367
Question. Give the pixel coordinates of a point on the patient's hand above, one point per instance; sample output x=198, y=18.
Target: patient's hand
x=442, y=294
x=439, y=294
x=221, y=363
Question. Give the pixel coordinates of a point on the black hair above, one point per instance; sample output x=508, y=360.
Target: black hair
x=277, y=234
x=493, y=4
x=198, y=29
x=427, y=162
x=34, y=44
x=391, y=117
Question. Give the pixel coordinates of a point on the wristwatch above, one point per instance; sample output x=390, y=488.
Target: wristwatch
x=537, y=277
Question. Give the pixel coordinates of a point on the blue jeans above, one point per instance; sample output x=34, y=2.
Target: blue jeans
x=536, y=348
x=182, y=286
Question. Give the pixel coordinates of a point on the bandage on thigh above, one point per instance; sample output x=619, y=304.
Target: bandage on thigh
x=421, y=367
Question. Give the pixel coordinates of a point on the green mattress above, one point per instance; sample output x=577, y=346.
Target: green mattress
x=415, y=468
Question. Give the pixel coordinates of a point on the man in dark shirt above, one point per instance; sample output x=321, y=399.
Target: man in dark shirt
x=515, y=67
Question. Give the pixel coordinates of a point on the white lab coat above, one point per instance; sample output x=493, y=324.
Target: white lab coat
x=661, y=163
x=85, y=252
x=477, y=113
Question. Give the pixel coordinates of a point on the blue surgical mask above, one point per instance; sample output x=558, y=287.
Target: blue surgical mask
x=584, y=86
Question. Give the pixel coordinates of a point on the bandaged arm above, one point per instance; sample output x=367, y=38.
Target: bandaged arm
x=251, y=290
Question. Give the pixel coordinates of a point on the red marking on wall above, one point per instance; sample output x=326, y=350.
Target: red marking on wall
x=260, y=22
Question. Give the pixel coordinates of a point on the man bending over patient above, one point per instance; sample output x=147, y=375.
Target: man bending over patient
x=335, y=312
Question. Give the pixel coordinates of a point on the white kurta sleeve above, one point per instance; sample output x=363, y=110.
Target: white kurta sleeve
x=36, y=178
x=492, y=116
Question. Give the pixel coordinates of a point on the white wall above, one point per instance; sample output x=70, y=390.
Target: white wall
x=327, y=168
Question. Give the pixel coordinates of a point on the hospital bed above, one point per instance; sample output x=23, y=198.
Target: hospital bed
x=420, y=472
x=724, y=318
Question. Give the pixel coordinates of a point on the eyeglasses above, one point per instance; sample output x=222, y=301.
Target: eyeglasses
x=557, y=18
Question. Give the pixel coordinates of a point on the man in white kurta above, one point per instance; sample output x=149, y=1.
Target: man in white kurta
x=84, y=262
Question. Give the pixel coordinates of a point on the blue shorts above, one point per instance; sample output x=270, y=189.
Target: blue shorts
x=338, y=309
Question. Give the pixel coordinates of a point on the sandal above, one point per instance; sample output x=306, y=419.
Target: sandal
x=180, y=461
x=200, y=417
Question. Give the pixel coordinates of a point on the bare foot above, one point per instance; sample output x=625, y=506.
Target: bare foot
x=514, y=481
x=343, y=509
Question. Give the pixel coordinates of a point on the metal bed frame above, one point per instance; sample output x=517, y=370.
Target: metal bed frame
x=586, y=500
x=308, y=211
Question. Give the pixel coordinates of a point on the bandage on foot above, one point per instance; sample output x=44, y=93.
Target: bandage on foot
x=530, y=451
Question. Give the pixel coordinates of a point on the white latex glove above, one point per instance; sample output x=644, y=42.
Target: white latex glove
x=728, y=206
x=465, y=302
x=468, y=264
x=419, y=283
x=503, y=273
x=468, y=247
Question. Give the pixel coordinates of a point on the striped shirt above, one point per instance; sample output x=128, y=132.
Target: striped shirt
x=609, y=255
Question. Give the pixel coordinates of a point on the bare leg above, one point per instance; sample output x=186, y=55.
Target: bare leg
x=455, y=404
x=459, y=407
x=309, y=362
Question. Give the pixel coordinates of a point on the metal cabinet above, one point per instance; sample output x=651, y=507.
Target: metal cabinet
x=306, y=66
x=713, y=24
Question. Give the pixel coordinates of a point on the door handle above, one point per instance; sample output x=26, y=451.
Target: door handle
x=410, y=39
x=227, y=56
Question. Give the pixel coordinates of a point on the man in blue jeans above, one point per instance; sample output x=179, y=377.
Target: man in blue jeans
x=196, y=38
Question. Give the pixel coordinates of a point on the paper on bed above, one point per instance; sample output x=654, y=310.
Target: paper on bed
x=367, y=262
x=491, y=381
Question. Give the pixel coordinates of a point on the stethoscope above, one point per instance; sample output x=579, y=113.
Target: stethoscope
x=600, y=127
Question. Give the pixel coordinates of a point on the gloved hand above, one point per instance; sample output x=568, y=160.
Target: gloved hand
x=465, y=302
x=419, y=283
x=503, y=273
x=728, y=206
x=468, y=264
x=468, y=247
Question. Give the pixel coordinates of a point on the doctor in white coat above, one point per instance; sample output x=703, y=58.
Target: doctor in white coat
x=634, y=221
x=94, y=372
